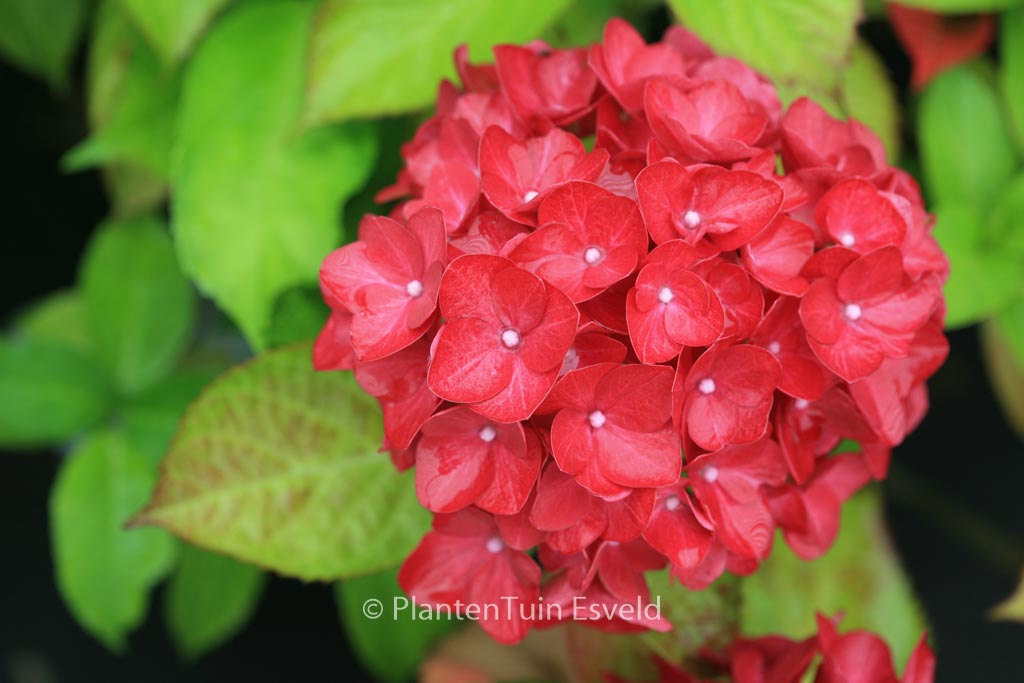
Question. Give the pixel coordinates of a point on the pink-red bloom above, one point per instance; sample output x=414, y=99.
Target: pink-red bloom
x=621, y=316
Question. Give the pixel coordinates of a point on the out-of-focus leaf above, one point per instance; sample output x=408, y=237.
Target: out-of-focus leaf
x=255, y=205
x=866, y=93
x=139, y=306
x=298, y=316
x=1005, y=363
x=150, y=419
x=59, y=318
x=1011, y=609
x=1005, y=230
x=133, y=190
x=277, y=465
x=802, y=44
x=962, y=6
x=369, y=58
x=49, y=392
x=40, y=35
x=859, y=576
x=472, y=655
x=701, y=619
x=172, y=26
x=132, y=100
x=982, y=279
x=209, y=599
x=105, y=571
x=1011, y=69
x=390, y=648
x=966, y=150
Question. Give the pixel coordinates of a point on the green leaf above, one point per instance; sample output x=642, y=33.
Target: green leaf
x=209, y=599
x=982, y=278
x=369, y=58
x=151, y=418
x=132, y=100
x=1012, y=608
x=59, y=318
x=867, y=94
x=390, y=649
x=966, y=150
x=298, y=316
x=1004, y=362
x=1011, y=70
x=140, y=307
x=49, y=392
x=962, y=6
x=1010, y=322
x=255, y=205
x=1005, y=230
x=40, y=35
x=803, y=43
x=172, y=26
x=859, y=576
x=105, y=571
x=277, y=465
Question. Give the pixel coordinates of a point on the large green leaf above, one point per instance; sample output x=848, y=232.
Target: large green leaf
x=391, y=648
x=859, y=576
x=966, y=150
x=49, y=392
x=802, y=44
x=1011, y=69
x=140, y=307
x=255, y=205
x=866, y=93
x=369, y=58
x=40, y=35
x=105, y=571
x=209, y=599
x=172, y=26
x=277, y=465
x=983, y=278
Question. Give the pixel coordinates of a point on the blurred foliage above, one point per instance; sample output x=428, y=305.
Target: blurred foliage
x=243, y=125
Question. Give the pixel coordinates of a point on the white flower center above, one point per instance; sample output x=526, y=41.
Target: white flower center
x=691, y=219
x=852, y=311
x=597, y=419
x=672, y=503
x=802, y=403
x=592, y=256
x=495, y=544
x=706, y=386
x=530, y=196
x=414, y=288
x=665, y=295
x=774, y=347
x=710, y=474
x=488, y=433
x=511, y=338
x=847, y=239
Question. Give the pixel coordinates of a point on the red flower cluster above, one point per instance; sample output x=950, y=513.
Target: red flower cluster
x=853, y=657
x=596, y=268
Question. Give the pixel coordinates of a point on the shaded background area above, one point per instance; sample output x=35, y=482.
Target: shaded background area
x=960, y=473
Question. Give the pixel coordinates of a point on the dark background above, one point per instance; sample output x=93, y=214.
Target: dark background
x=955, y=501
